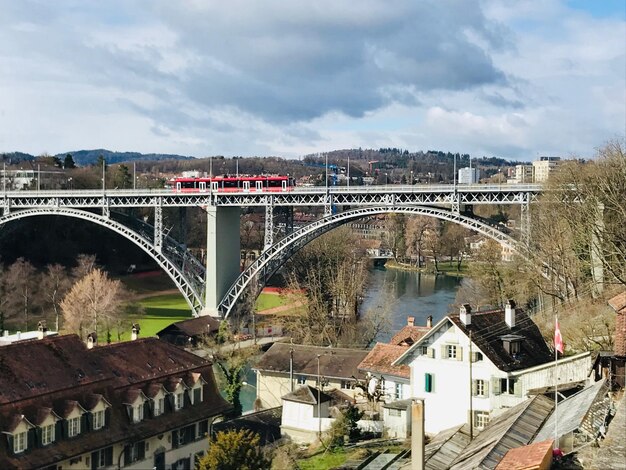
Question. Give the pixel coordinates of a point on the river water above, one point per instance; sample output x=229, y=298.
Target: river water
x=400, y=294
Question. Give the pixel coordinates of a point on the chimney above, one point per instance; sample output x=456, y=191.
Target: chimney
x=417, y=435
x=410, y=321
x=134, y=332
x=91, y=340
x=429, y=321
x=509, y=313
x=466, y=314
x=41, y=329
x=620, y=334
x=5, y=333
x=18, y=335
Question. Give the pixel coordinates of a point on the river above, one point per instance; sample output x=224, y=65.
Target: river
x=400, y=294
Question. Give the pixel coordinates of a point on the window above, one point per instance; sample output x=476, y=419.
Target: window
x=159, y=406
x=477, y=356
x=19, y=442
x=429, y=382
x=346, y=384
x=300, y=380
x=47, y=434
x=134, y=452
x=73, y=427
x=479, y=388
x=179, y=398
x=102, y=458
x=516, y=347
x=424, y=350
x=137, y=413
x=394, y=412
x=398, y=391
x=481, y=418
x=197, y=395
x=450, y=351
x=98, y=420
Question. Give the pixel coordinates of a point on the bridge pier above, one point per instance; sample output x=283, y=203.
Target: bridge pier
x=222, y=255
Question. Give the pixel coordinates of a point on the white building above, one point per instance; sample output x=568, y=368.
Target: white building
x=505, y=360
x=469, y=175
x=522, y=174
x=543, y=167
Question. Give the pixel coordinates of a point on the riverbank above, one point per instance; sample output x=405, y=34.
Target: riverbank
x=448, y=268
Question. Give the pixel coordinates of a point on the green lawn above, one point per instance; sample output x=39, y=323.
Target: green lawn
x=323, y=461
x=267, y=301
x=160, y=311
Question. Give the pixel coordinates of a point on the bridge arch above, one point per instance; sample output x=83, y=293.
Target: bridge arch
x=271, y=259
x=189, y=291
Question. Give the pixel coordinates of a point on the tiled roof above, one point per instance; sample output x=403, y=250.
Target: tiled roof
x=198, y=326
x=537, y=455
x=489, y=327
x=409, y=335
x=380, y=358
x=514, y=428
x=307, y=394
x=108, y=371
x=618, y=303
x=339, y=363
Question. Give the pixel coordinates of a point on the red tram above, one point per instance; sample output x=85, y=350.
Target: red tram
x=255, y=183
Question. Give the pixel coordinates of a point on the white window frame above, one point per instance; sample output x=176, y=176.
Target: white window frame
x=481, y=418
x=480, y=388
x=47, y=434
x=138, y=413
x=179, y=400
x=395, y=412
x=450, y=351
x=159, y=406
x=20, y=442
x=73, y=427
x=98, y=420
x=398, y=391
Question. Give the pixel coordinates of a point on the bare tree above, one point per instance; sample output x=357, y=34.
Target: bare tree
x=95, y=302
x=84, y=265
x=55, y=282
x=416, y=229
x=21, y=283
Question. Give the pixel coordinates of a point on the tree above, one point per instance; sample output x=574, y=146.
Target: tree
x=396, y=230
x=345, y=425
x=21, y=289
x=94, y=303
x=433, y=242
x=234, y=450
x=68, y=162
x=55, y=283
x=416, y=229
x=122, y=179
x=232, y=362
x=453, y=242
x=84, y=265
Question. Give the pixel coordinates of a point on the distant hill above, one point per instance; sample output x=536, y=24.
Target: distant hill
x=89, y=157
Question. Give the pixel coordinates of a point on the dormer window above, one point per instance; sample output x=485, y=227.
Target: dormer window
x=47, y=434
x=512, y=344
x=159, y=406
x=138, y=413
x=98, y=420
x=20, y=442
x=73, y=427
x=179, y=400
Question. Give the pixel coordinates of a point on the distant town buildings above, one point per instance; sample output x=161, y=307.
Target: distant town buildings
x=469, y=175
x=536, y=172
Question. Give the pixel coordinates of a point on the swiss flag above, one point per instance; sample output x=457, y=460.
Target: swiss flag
x=558, y=339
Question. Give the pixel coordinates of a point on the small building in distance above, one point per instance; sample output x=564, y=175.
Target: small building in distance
x=469, y=175
x=338, y=368
x=543, y=167
x=188, y=333
x=138, y=404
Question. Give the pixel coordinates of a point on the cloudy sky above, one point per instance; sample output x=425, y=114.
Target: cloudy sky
x=514, y=79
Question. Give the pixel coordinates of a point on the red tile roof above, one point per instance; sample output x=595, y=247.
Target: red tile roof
x=380, y=359
x=409, y=335
x=618, y=303
x=536, y=456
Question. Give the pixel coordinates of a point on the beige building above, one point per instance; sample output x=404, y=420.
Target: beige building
x=543, y=167
x=286, y=367
x=137, y=405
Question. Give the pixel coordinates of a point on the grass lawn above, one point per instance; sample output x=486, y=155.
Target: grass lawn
x=160, y=311
x=323, y=461
x=267, y=301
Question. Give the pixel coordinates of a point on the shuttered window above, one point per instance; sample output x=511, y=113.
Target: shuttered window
x=19, y=442
x=429, y=382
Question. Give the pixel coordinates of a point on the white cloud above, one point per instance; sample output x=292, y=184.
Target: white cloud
x=247, y=78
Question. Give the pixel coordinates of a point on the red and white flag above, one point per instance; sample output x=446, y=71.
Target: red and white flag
x=558, y=339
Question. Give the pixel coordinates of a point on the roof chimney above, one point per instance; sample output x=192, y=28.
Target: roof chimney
x=410, y=321
x=91, y=340
x=466, y=314
x=134, y=332
x=18, y=335
x=41, y=329
x=509, y=313
x=429, y=321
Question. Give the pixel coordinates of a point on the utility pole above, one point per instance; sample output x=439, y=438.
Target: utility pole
x=471, y=388
x=319, y=397
x=134, y=175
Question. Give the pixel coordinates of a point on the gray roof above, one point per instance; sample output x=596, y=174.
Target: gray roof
x=307, y=394
x=572, y=411
x=399, y=404
x=515, y=427
x=446, y=446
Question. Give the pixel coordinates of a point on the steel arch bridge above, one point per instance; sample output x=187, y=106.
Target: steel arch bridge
x=271, y=259
x=185, y=271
